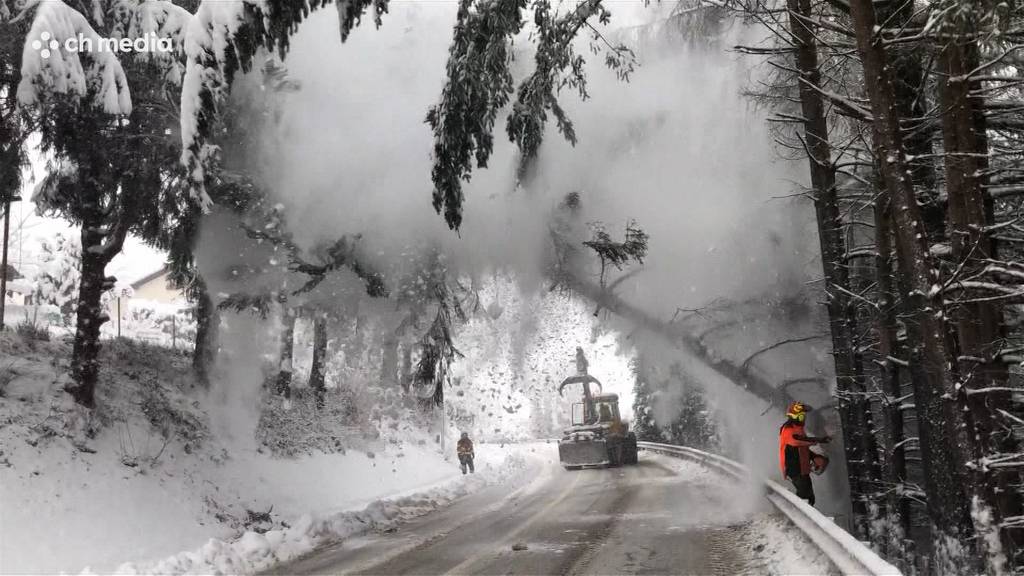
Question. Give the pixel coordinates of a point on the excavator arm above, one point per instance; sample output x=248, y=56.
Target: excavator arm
x=598, y=441
x=588, y=399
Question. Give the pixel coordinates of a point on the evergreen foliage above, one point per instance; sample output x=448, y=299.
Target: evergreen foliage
x=617, y=254
x=114, y=169
x=428, y=289
x=671, y=408
x=57, y=283
x=479, y=84
x=644, y=424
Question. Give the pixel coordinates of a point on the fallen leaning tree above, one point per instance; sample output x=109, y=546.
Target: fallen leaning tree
x=678, y=337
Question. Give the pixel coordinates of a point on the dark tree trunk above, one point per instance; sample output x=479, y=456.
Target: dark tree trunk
x=979, y=324
x=886, y=328
x=85, y=365
x=849, y=381
x=317, y=372
x=909, y=84
x=207, y=323
x=3, y=260
x=283, y=387
x=938, y=418
x=1008, y=495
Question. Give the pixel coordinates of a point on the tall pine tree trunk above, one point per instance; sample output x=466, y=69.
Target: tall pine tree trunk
x=909, y=82
x=889, y=348
x=3, y=259
x=942, y=447
x=207, y=322
x=830, y=235
x=283, y=386
x=85, y=365
x=317, y=372
x=978, y=324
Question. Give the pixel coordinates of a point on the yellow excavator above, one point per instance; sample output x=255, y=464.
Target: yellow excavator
x=598, y=436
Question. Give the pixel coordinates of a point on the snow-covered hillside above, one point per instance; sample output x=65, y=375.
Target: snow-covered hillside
x=145, y=477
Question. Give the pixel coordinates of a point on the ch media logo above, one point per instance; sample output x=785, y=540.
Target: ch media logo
x=46, y=44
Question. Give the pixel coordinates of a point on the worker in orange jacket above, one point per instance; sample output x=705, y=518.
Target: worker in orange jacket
x=795, y=456
x=465, y=451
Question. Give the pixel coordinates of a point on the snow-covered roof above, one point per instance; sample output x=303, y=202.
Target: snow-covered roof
x=11, y=273
x=29, y=270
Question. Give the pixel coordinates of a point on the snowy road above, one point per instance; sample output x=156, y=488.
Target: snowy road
x=662, y=516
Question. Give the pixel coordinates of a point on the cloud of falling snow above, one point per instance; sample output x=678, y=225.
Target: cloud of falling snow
x=678, y=148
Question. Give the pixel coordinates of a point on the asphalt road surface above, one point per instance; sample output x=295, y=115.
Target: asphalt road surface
x=644, y=519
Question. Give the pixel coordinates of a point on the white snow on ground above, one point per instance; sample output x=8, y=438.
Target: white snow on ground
x=775, y=546
x=782, y=549
x=255, y=551
x=745, y=500
x=145, y=478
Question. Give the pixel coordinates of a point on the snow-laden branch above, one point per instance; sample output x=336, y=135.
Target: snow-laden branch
x=56, y=186
x=478, y=84
x=343, y=253
x=992, y=389
x=904, y=442
x=47, y=68
x=225, y=37
x=165, y=20
x=212, y=58
x=846, y=105
x=898, y=361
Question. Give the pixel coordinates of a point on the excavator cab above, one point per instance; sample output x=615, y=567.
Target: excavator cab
x=598, y=436
x=606, y=410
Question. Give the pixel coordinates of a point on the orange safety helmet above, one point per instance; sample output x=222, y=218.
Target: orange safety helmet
x=797, y=411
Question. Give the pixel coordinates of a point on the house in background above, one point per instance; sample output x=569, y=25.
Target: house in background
x=18, y=291
x=152, y=309
x=156, y=287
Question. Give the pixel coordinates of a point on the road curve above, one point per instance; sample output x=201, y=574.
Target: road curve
x=644, y=519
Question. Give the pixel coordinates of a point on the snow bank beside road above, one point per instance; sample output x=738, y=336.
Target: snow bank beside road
x=63, y=509
x=258, y=551
x=144, y=476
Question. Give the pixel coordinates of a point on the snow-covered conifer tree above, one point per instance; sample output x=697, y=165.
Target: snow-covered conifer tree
x=106, y=121
x=644, y=425
x=57, y=283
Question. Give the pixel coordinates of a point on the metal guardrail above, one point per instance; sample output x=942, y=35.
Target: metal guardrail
x=847, y=553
